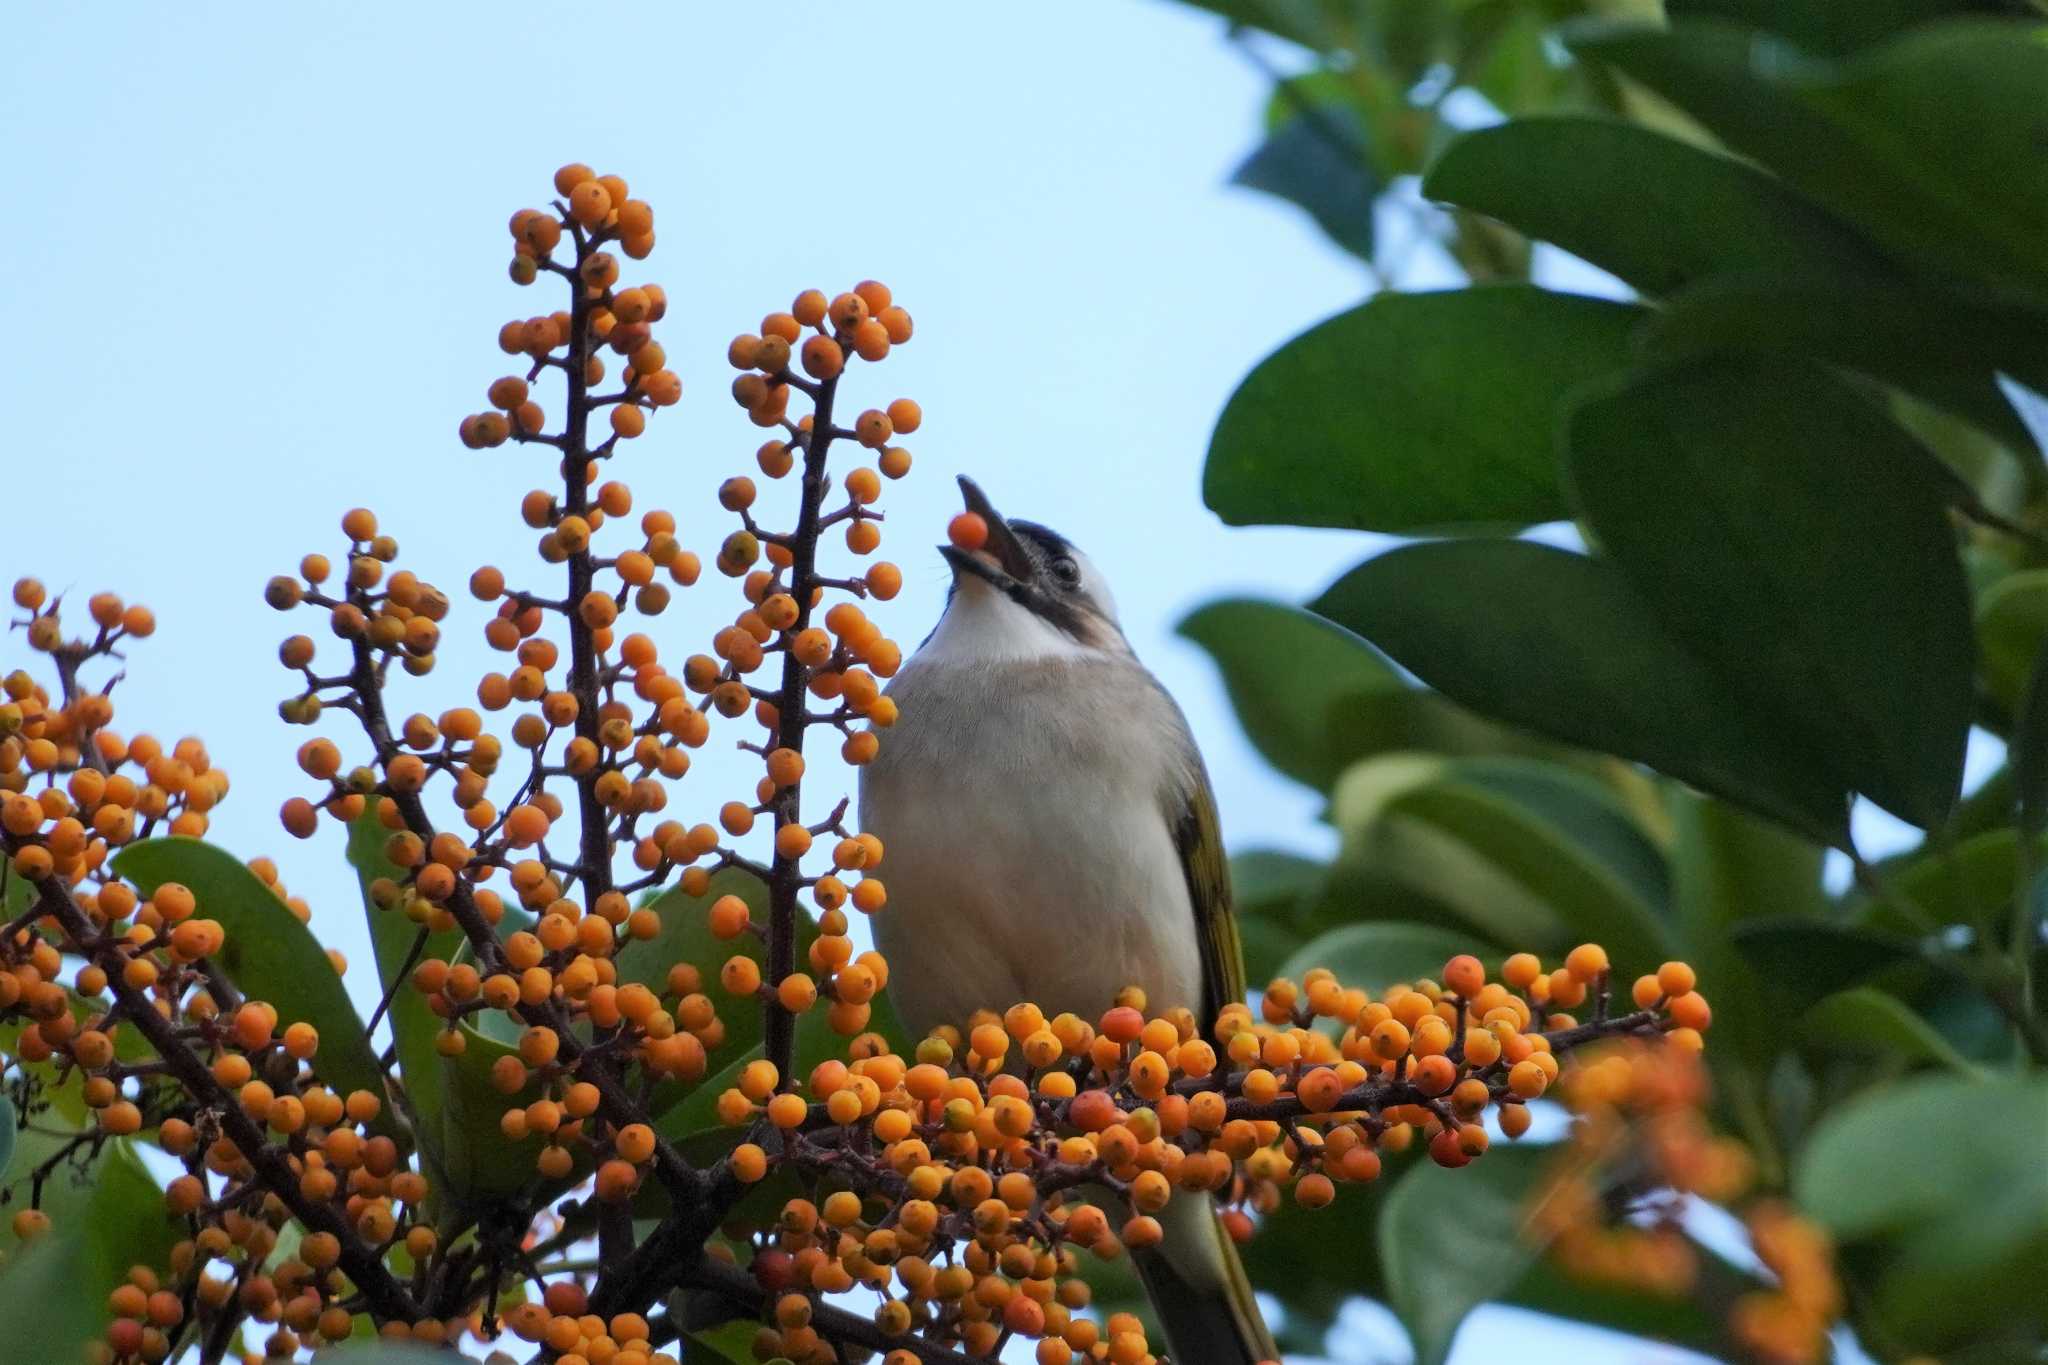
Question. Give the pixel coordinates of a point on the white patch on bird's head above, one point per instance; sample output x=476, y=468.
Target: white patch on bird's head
x=1068, y=611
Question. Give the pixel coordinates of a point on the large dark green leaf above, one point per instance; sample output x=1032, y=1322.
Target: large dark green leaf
x=1451, y=1240
x=1931, y=144
x=1816, y=958
x=1659, y=213
x=268, y=952
x=1798, y=543
x=1414, y=411
x=1318, y=161
x=1969, y=882
x=1835, y=27
x=1566, y=646
x=1946, y=344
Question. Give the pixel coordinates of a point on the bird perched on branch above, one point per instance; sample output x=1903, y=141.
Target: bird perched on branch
x=1052, y=838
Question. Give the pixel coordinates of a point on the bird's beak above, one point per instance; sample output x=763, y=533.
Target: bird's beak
x=1003, y=554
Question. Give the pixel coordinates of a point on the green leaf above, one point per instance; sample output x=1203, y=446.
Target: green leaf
x=1384, y=953
x=1564, y=645
x=414, y=1025
x=1452, y=1240
x=1414, y=411
x=2028, y=750
x=268, y=952
x=1833, y=27
x=1289, y=672
x=1867, y=1022
x=1931, y=144
x=1298, y=21
x=1270, y=891
x=1979, y=1186
x=1528, y=854
x=686, y=937
x=1318, y=161
x=1970, y=882
x=379, y=1353
x=2012, y=629
x=1817, y=958
x=1729, y=868
x=729, y=1343
x=53, y=1293
x=1315, y=699
x=1798, y=543
x=7, y=1131
x=1659, y=213
x=1944, y=344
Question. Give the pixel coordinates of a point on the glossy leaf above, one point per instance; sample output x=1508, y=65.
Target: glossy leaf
x=1818, y=958
x=1658, y=213
x=1386, y=953
x=1882, y=139
x=1831, y=27
x=1452, y=1240
x=1942, y=343
x=1413, y=411
x=1564, y=645
x=1798, y=544
x=1866, y=1022
x=414, y=1025
x=1318, y=161
x=268, y=952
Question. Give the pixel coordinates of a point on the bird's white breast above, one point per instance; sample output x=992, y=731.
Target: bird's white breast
x=1027, y=852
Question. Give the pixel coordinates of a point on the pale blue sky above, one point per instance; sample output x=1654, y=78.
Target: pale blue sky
x=255, y=271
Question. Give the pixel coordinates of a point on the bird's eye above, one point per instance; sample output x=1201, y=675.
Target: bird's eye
x=1066, y=571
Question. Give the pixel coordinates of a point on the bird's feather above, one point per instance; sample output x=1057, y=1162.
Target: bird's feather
x=1192, y=815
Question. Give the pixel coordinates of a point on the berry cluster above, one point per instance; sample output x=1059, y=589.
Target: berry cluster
x=581, y=966
x=1612, y=1212
x=951, y=1181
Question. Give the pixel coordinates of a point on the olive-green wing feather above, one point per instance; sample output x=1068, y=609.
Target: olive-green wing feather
x=1200, y=841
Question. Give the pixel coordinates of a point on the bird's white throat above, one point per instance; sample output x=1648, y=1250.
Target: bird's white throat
x=984, y=625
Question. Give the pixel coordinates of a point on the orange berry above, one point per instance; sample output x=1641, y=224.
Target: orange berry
x=1586, y=961
x=1676, y=978
x=968, y=531
x=1464, y=976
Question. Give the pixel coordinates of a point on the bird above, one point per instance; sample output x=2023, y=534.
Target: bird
x=1052, y=837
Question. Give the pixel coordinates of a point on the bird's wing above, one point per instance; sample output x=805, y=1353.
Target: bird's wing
x=1191, y=811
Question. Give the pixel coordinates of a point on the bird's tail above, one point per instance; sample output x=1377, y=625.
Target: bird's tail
x=1198, y=1288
